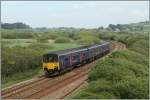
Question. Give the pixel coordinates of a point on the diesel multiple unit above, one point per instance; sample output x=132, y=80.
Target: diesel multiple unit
x=57, y=62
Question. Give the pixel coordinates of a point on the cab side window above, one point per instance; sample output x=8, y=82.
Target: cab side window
x=74, y=57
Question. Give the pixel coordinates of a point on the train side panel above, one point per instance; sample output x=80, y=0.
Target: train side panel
x=70, y=60
x=64, y=62
x=76, y=58
x=85, y=55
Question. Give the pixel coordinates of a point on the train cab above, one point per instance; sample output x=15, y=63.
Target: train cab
x=50, y=62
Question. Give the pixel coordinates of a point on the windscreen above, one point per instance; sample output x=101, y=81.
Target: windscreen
x=50, y=58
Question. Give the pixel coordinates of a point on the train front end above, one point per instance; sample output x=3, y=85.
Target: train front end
x=50, y=63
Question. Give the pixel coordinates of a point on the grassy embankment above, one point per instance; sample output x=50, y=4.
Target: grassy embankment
x=124, y=74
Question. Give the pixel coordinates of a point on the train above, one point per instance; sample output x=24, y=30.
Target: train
x=57, y=62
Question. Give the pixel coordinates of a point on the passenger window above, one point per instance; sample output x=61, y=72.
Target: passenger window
x=84, y=54
x=74, y=57
x=66, y=59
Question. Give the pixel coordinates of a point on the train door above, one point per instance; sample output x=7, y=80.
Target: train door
x=81, y=57
x=64, y=62
x=85, y=55
x=76, y=58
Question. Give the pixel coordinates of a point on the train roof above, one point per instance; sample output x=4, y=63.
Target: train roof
x=61, y=52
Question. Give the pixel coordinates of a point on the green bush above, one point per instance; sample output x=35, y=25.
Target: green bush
x=40, y=46
x=62, y=40
x=52, y=36
x=108, y=36
x=19, y=59
x=100, y=89
x=90, y=95
x=138, y=42
x=124, y=75
x=109, y=72
x=88, y=40
x=133, y=88
x=14, y=34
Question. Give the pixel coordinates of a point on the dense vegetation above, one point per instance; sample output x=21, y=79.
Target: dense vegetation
x=13, y=58
x=17, y=60
x=62, y=40
x=17, y=34
x=124, y=74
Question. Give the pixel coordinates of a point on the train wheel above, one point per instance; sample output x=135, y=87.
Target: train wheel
x=47, y=74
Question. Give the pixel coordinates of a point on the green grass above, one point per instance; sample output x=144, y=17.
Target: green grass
x=17, y=42
x=27, y=42
x=19, y=77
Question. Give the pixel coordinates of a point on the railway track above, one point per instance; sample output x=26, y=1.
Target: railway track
x=35, y=88
x=57, y=87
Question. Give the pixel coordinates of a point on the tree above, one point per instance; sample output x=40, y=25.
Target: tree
x=18, y=25
x=113, y=27
x=100, y=28
x=119, y=26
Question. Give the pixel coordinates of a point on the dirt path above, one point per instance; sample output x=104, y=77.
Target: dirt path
x=57, y=87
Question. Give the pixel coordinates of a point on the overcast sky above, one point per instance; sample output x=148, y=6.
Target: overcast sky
x=87, y=14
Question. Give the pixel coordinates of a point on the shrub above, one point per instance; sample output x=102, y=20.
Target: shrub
x=100, y=89
x=62, y=40
x=105, y=69
x=19, y=59
x=40, y=46
x=124, y=75
x=88, y=40
x=52, y=36
x=90, y=95
x=108, y=36
x=133, y=88
x=14, y=34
